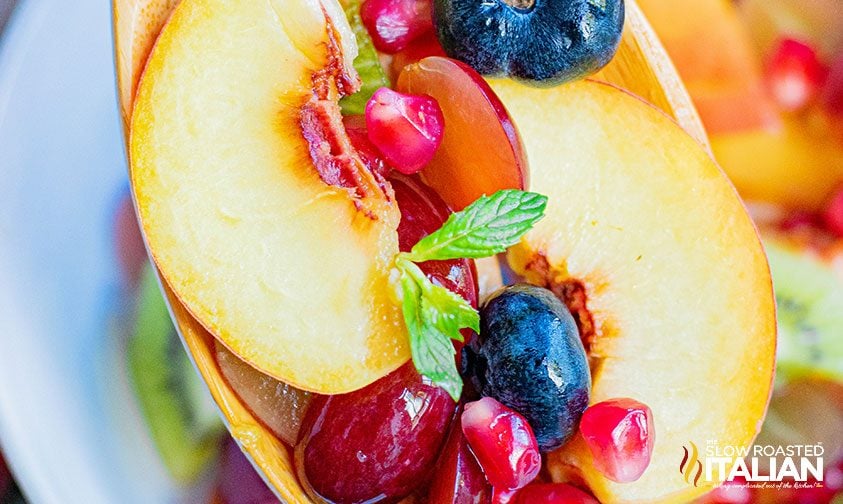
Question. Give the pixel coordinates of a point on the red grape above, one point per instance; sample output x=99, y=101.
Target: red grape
x=458, y=478
x=5, y=477
x=481, y=150
x=377, y=444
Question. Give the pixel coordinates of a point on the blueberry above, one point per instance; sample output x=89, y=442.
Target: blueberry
x=541, y=42
x=529, y=357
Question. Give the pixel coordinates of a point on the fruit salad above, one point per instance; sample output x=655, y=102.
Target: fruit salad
x=436, y=251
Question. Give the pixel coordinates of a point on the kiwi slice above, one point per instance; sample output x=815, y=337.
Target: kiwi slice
x=367, y=63
x=810, y=313
x=180, y=414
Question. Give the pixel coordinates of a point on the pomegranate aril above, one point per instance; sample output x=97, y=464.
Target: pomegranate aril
x=833, y=214
x=501, y=496
x=553, y=493
x=407, y=129
x=503, y=443
x=794, y=74
x=832, y=92
x=393, y=24
x=620, y=435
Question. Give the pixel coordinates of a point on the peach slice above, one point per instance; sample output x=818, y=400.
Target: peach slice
x=137, y=24
x=650, y=246
x=257, y=212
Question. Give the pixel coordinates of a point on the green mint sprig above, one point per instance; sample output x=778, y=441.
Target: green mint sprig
x=433, y=314
x=486, y=227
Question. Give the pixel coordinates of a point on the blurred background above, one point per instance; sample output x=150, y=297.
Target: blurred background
x=99, y=403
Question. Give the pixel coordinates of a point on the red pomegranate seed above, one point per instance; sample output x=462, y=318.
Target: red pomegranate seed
x=833, y=215
x=393, y=24
x=620, y=435
x=553, y=493
x=798, y=220
x=407, y=129
x=794, y=74
x=503, y=443
x=832, y=93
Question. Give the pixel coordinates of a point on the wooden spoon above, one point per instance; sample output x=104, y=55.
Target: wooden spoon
x=640, y=66
x=643, y=67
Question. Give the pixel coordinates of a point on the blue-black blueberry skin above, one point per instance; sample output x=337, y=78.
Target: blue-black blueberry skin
x=529, y=356
x=543, y=42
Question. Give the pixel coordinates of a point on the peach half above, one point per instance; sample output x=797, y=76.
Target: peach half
x=256, y=210
x=647, y=242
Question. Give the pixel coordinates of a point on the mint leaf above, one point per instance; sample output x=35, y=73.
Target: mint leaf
x=367, y=63
x=443, y=309
x=484, y=228
x=434, y=316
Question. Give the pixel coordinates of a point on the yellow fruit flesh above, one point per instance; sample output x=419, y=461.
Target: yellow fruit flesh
x=677, y=283
x=281, y=267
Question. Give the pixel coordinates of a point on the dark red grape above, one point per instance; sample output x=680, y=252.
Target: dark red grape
x=377, y=444
x=458, y=478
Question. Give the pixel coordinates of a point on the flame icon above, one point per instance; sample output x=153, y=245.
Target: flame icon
x=691, y=464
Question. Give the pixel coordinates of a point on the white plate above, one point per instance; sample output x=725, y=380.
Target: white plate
x=68, y=422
